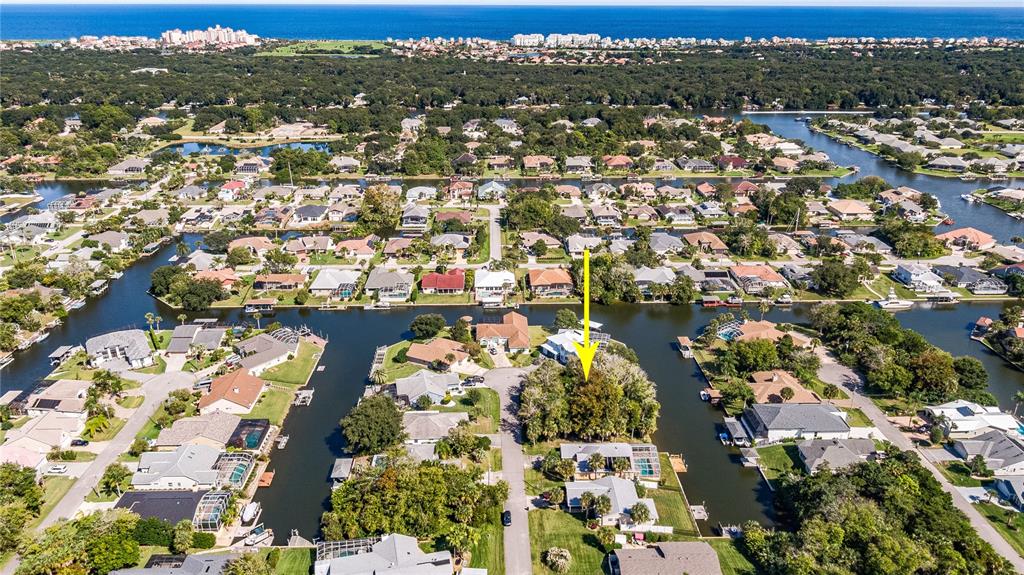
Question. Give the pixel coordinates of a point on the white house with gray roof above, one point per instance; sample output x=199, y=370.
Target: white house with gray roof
x=1003, y=452
x=621, y=492
x=774, y=422
x=129, y=346
x=393, y=554
x=187, y=467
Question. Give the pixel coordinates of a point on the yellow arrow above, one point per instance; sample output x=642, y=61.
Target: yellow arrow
x=586, y=350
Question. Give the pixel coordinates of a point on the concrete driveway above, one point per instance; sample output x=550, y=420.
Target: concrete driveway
x=517, y=536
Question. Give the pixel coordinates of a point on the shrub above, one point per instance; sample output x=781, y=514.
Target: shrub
x=402, y=356
x=204, y=540
x=558, y=559
x=153, y=531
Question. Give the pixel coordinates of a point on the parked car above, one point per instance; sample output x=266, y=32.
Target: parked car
x=474, y=380
x=79, y=443
x=506, y=518
x=57, y=469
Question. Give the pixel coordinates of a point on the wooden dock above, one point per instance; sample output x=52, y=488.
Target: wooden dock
x=378, y=358
x=678, y=464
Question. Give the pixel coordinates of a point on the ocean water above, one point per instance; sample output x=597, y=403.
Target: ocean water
x=24, y=21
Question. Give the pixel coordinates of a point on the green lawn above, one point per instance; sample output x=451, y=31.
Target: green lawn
x=959, y=474
x=1009, y=524
x=273, y=405
x=537, y=482
x=324, y=47
x=295, y=371
x=857, y=418
x=150, y=429
x=672, y=511
x=157, y=368
x=440, y=298
x=489, y=404
x=109, y=433
x=21, y=254
x=489, y=553
x=393, y=369
x=54, y=489
x=780, y=460
x=554, y=528
x=294, y=561
x=74, y=368
x=131, y=401
x=147, y=551
x=733, y=562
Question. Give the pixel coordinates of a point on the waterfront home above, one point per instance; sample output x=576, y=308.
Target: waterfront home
x=642, y=457
x=303, y=246
x=171, y=506
x=213, y=429
x=598, y=190
x=949, y=163
x=345, y=164
x=440, y=353
x=961, y=418
x=452, y=281
x=498, y=162
x=335, y=283
x=645, y=277
x=460, y=190
x=768, y=386
x=187, y=467
x=750, y=330
x=578, y=165
x=430, y=426
x=617, y=162
x=1011, y=489
x=512, y=333
x=361, y=248
x=46, y=221
x=676, y=215
x=389, y=285
x=115, y=242
x=859, y=243
x=918, y=277
x=967, y=238
x=706, y=242
x=265, y=282
x=550, y=282
x=730, y=162
x=538, y=164
x=755, y=279
x=561, y=346
x=492, y=286
x=835, y=454
x=129, y=167
x=774, y=422
x=623, y=496
x=850, y=210
x=912, y=212
x=606, y=215
x=264, y=351
x=307, y=215
x=379, y=556
x=976, y=281
x=415, y=218
x=425, y=383
x=491, y=190
x=64, y=396
x=1003, y=452
x=785, y=165
x=417, y=193
x=666, y=558
x=256, y=245
x=129, y=348
x=236, y=392
x=231, y=190
x=187, y=337
x=695, y=165
x=274, y=216
x=227, y=278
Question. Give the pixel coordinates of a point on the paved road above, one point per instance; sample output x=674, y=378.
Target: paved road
x=833, y=372
x=494, y=218
x=513, y=461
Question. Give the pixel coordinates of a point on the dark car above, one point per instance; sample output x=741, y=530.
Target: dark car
x=79, y=443
x=506, y=518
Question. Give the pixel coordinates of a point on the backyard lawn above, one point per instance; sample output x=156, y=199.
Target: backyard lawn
x=1009, y=524
x=554, y=528
x=489, y=553
x=273, y=405
x=74, y=368
x=857, y=418
x=959, y=474
x=537, y=482
x=295, y=371
x=780, y=460
x=672, y=511
x=294, y=561
x=733, y=562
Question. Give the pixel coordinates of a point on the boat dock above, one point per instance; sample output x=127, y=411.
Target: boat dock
x=303, y=397
x=282, y=441
x=699, y=512
x=378, y=358
x=678, y=463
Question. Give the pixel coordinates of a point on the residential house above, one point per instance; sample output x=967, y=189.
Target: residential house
x=191, y=467
x=335, y=283
x=676, y=215
x=538, y=164
x=918, y=277
x=187, y=337
x=430, y=426
x=415, y=218
x=227, y=278
x=949, y=163
x=755, y=279
x=389, y=285
x=491, y=190
x=452, y=281
x=729, y=163
x=512, y=333
x=129, y=167
x=1003, y=452
x=785, y=165
x=454, y=243
x=967, y=238
x=115, y=242
x=576, y=212
x=435, y=386
x=213, y=429
x=130, y=346
x=696, y=165
x=307, y=215
x=576, y=244
x=768, y=386
x=264, y=351
x=623, y=496
x=706, y=242
x=578, y=165
x=395, y=553
x=962, y=418
x=530, y=239
x=550, y=282
x=617, y=162
x=418, y=193
x=773, y=422
x=606, y=215
x=667, y=558
x=439, y=352
x=64, y=396
x=850, y=210
x=645, y=277
x=643, y=458
x=835, y=454
x=362, y=248
x=263, y=282
x=977, y=282
x=236, y=392
x=663, y=243
x=492, y=286
x=345, y=164
x=256, y=245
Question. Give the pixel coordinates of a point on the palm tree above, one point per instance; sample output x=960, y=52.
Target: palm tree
x=378, y=377
x=158, y=319
x=587, y=502
x=150, y=320
x=181, y=318
x=257, y=316
x=1018, y=398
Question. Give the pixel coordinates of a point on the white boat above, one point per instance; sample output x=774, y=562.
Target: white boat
x=892, y=302
x=969, y=198
x=6, y=360
x=173, y=258
x=379, y=305
x=784, y=299
x=258, y=535
x=250, y=512
x=116, y=275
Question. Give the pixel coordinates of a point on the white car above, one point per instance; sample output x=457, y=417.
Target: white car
x=57, y=469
